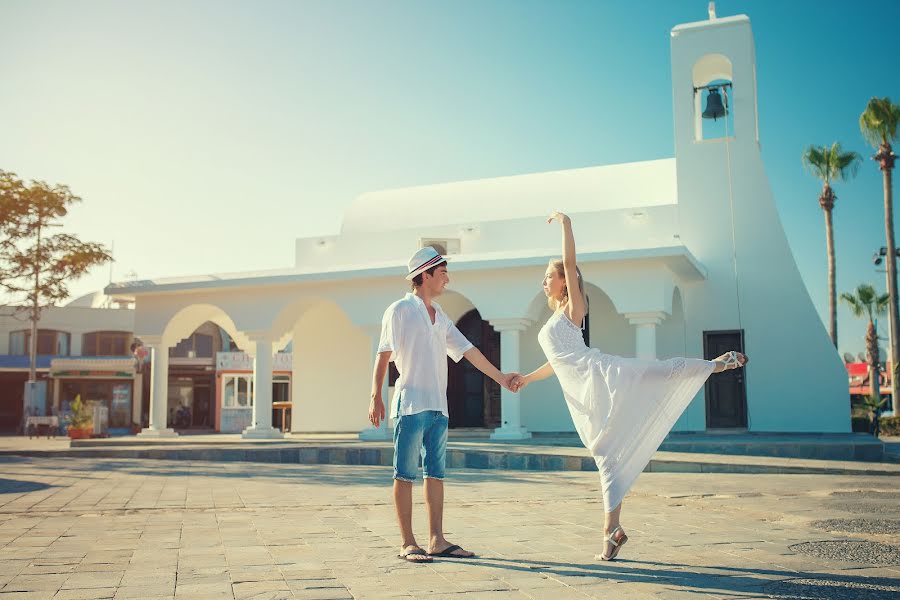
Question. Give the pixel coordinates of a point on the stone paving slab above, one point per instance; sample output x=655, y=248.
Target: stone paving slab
x=92, y=529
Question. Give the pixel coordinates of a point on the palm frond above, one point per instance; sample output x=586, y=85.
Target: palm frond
x=864, y=301
x=854, y=304
x=865, y=293
x=843, y=165
x=831, y=162
x=815, y=160
x=879, y=121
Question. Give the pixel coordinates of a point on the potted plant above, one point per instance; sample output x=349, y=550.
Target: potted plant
x=80, y=424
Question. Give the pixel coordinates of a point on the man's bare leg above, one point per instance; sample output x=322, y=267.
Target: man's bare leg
x=434, y=500
x=403, y=505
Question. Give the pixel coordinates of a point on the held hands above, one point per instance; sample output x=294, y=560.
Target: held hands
x=376, y=411
x=513, y=381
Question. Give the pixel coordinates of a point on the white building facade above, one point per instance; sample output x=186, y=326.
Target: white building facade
x=681, y=256
x=83, y=350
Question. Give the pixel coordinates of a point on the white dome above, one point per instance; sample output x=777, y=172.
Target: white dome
x=91, y=300
x=610, y=187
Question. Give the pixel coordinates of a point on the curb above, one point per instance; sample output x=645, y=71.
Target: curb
x=456, y=459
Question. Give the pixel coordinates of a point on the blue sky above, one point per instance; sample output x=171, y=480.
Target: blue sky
x=205, y=136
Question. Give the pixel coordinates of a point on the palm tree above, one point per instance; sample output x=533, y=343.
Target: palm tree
x=878, y=124
x=830, y=164
x=866, y=302
x=873, y=405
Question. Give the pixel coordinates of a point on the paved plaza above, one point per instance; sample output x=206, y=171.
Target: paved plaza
x=76, y=528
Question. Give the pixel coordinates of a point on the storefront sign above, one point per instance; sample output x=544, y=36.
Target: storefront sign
x=241, y=361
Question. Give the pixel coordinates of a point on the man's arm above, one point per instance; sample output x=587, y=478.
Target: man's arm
x=474, y=356
x=376, y=404
x=542, y=372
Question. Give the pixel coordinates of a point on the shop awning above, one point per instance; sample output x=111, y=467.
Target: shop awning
x=99, y=367
x=15, y=362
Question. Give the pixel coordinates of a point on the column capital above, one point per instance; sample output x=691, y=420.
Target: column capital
x=646, y=318
x=150, y=340
x=511, y=324
x=259, y=336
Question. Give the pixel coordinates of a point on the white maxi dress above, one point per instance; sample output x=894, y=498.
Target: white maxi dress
x=623, y=408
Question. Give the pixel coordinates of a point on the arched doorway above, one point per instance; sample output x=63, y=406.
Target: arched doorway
x=472, y=398
x=192, y=377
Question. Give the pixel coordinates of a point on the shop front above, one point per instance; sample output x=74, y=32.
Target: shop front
x=234, y=391
x=110, y=382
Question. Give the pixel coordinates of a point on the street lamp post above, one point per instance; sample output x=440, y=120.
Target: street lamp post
x=877, y=259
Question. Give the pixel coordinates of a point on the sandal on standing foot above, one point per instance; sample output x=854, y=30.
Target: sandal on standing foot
x=617, y=545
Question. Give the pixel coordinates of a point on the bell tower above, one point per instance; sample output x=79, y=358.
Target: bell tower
x=713, y=72
x=728, y=220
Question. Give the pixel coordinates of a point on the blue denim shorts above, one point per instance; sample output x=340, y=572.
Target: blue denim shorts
x=421, y=434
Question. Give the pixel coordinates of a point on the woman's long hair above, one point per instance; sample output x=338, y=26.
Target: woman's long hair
x=559, y=268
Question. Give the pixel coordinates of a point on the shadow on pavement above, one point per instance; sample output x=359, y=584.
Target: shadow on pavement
x=18, y=486
x=772, y=583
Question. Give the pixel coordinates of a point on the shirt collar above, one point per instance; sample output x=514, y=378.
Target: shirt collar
x=424, y=309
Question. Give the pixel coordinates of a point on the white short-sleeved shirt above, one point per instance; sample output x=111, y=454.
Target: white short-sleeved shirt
x=420, y=349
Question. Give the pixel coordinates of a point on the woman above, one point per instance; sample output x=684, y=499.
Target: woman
x=622, y=407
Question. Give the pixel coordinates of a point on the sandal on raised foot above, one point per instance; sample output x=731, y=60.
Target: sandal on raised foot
x=611, y=538
x=733, y=361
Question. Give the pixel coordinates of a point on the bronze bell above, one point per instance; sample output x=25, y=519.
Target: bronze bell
x=714, y=106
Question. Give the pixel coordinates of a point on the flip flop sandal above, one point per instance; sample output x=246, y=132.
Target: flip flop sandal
x=415, y=552
x=448, y=552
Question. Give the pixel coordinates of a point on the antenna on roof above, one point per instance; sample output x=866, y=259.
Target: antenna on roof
x=712, y=11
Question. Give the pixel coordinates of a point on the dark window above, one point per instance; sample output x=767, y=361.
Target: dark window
x=106, y=343
x=49, y=342
x=199, y=345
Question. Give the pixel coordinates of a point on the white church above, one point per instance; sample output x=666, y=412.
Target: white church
x=684, y=256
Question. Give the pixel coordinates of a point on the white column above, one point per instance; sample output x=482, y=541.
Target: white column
x=383, y=431
x=262, y=393
x=510, y=403
x=645, y=332
x=159, y=390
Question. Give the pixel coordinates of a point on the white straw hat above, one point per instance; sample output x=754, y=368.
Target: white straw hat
x=422, y=260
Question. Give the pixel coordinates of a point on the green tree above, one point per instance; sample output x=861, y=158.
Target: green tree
x=878, y=124
x=865, y=302
x=830, y=164
x=36, y=267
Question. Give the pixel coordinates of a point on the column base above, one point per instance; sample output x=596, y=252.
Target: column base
x=262, y=433
x=377, y=434
x=511, y=433
x=147, y=432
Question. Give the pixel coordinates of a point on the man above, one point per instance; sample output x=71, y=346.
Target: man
x=417, y=335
